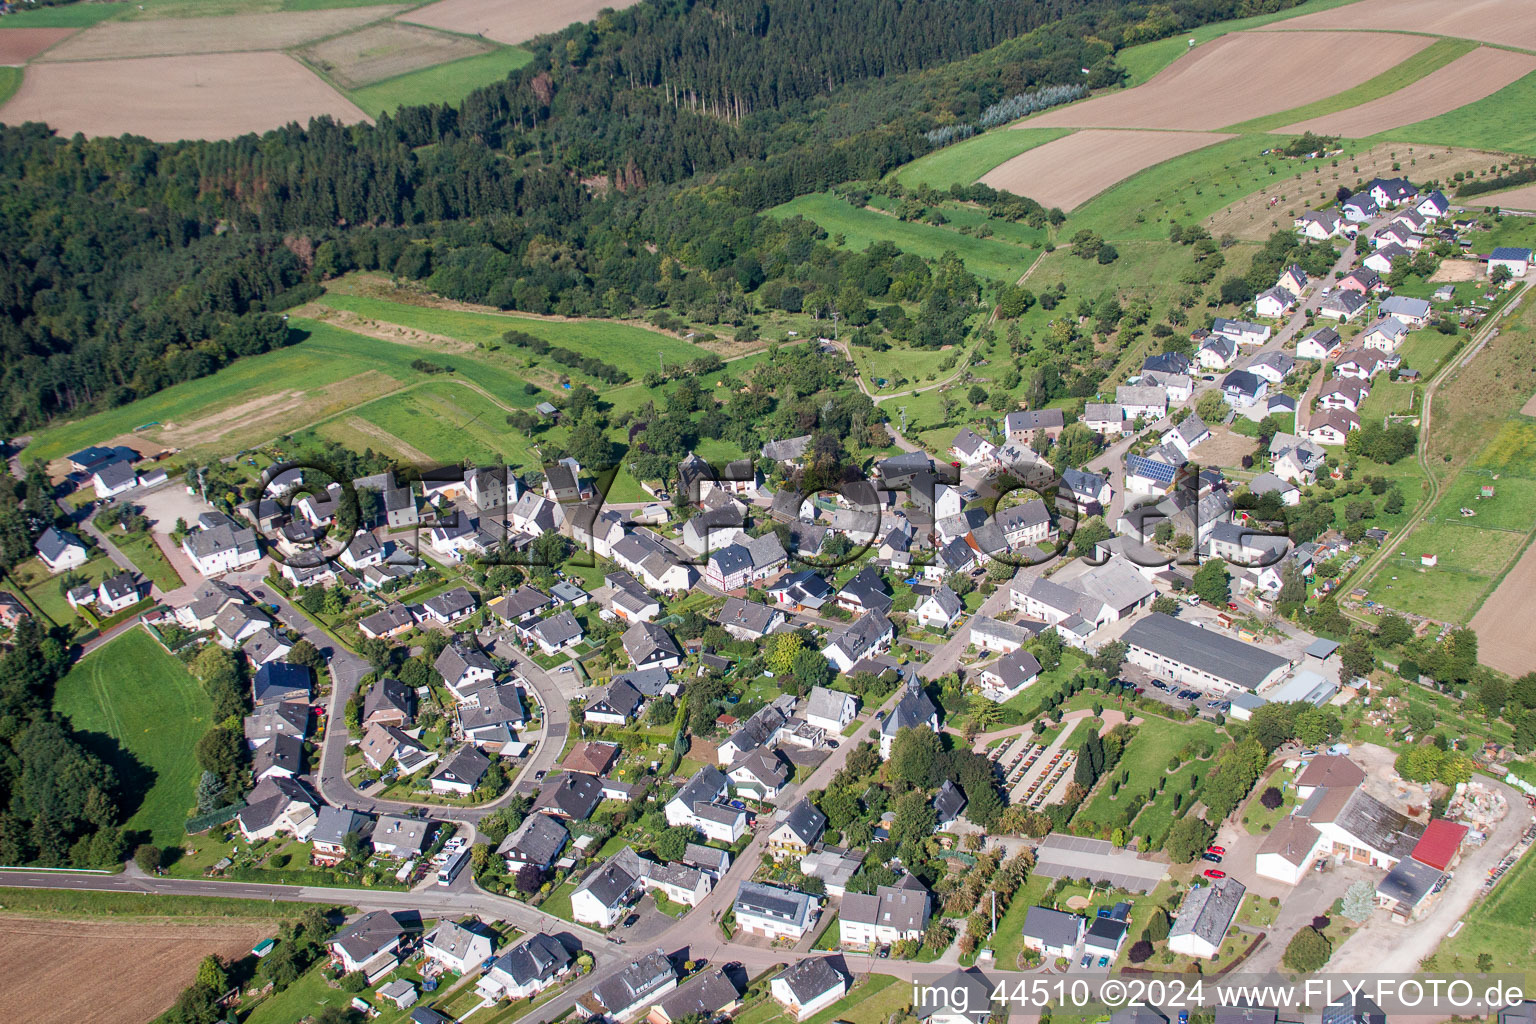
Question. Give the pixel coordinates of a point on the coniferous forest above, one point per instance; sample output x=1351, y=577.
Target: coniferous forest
x=653, y=134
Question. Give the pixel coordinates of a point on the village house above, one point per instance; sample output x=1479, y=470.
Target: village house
x=939, y=610
x=1146, y=403
x=369, y=945
x=773, y=912
x=892, y=913
x=1104, y=418
x=1241, y=331
x=914, y=710
x=795, y=835
x=530, y=967
x=61, y=550
x=971, y=449
x=623, y=995
x=1332, y=427
x=870, y=635
x=219, y=545
x=831, y=710
x=1320, y=225
x=537, y=841
x=1009, y=675
x=1024, y=426
x=1384, y=335
x=1274, y=302
x=1052, y=933
x=1204, y=917
x=809, y=986
x=456, y=947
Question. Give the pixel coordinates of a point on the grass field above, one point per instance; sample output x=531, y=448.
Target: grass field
x=208, y=8
x=67, y=903
x=1147, y=59
x=10, y=81
x=134, y=693
x=75, y=15
x=43, y=587
x=632, y=349
x=1468, y=559
x=1436, y=56
x=1187, y=189
x=261, y=397
x=966, y=161
x=446, y=83
x=445, y=421
x=1485, y=124
x=986, y=257
x=1500, y=925
x=142, y=550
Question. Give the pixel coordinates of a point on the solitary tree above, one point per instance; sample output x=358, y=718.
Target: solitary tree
x=1359, y=900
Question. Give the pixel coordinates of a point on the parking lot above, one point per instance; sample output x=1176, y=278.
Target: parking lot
x=1175, y=695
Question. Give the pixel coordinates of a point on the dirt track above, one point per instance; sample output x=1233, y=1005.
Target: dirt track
x=509, y=21
x=1506, y=22
x=216, y=96
x=1074, y=169
x=1464, y=80
x=19, y=45
x=106, y=972
x=172, y=36
x=1239, y=77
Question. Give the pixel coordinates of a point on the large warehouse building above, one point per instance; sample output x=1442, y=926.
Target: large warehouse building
x=1185, y=653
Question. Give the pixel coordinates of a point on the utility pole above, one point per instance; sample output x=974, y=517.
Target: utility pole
x=835, y=315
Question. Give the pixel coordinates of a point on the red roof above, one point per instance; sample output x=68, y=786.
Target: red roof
x=1439, y=843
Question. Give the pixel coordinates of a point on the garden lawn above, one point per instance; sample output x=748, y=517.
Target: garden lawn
x=445, y=83
x=859, y=228
x=43, y=587
x=135, y=694
x=146, y=555
x=1146, y=758
x=965, y=162
x=559, y=902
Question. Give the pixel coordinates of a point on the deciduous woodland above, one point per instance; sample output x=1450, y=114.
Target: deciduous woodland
x=130, y=265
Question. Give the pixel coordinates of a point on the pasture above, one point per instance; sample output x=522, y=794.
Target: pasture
x=436, y=423
x=143, y=711
x=965, y=162
x=1501, y=924
x=859, y=228
x=227, y=34
x=386, y=50
x=1502, y=22
x=1469, y=559
x=1434, y=57
x=508, y=21
x=634, y=350
x=445, y=83
x=1070, y=171
x=1463, y=81
x=213, y=96
x=251, y=400
x=1485, y=124
x=77, y=983
x=1254, y=74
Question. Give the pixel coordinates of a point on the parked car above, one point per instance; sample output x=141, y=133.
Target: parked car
x=1087, y=959
x=1103, y=961
x=1214, y=858
x=1215, y=873
x=1216, y=849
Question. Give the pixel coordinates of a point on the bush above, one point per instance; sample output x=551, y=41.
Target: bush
x=354, y=981
x=1271, y=798
x=148, y=857
x=1308, y=951
x=1140, y=952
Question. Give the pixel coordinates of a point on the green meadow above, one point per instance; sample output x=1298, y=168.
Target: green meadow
x=1489, y=123
x=964, y=162
x=445, y=83
x=986, y=257
x=146, y=701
